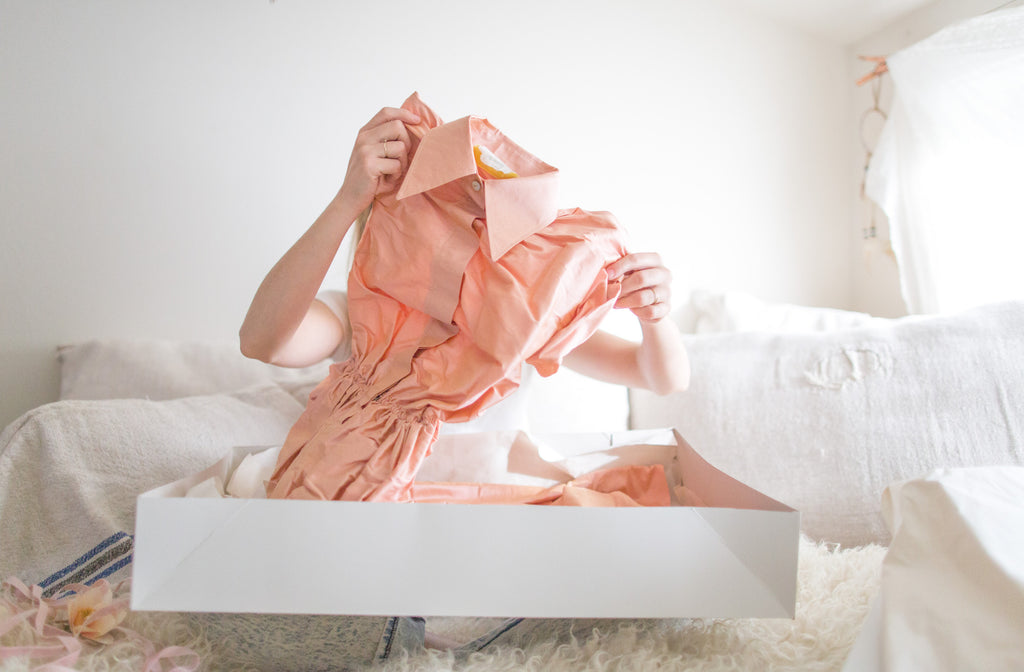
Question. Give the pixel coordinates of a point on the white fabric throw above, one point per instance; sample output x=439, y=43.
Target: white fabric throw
x=70, y=471
x=826, y=421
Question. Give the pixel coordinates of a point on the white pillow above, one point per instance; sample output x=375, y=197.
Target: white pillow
x=825, y=421
x=738, y=311
x=686, y=315
x=952, y=593
x=160, y=369
x=70, y=471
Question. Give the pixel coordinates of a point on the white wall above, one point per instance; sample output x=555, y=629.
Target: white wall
x=158, y=157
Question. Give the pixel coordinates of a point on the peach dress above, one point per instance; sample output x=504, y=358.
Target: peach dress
x=459, y=278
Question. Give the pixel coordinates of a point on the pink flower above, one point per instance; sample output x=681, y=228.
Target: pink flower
x=93, y=613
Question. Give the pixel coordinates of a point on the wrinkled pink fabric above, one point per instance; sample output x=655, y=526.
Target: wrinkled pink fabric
x=458, y=279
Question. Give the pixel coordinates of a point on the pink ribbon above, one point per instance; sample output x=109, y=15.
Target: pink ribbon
x=27, y=605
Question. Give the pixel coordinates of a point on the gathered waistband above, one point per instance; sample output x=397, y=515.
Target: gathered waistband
x=350, y=384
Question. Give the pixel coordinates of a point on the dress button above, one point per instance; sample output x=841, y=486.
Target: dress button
x=476, y=185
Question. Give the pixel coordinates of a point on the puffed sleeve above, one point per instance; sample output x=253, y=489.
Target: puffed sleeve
x=603, y=243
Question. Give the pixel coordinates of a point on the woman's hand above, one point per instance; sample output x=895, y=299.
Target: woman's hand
x=379, y=157
x=659, y=362
x=646, y=285
x=284, y=324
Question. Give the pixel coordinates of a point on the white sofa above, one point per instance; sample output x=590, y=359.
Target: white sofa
x=818, y=408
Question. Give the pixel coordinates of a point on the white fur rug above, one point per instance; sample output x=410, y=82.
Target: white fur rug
x=835, y=589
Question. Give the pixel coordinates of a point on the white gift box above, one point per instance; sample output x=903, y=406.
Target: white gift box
x=733, y=556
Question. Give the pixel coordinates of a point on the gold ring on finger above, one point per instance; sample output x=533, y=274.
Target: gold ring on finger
x=386, y=150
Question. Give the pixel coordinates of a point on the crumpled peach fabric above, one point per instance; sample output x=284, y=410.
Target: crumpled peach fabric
x=634, y=485
x=458, y=279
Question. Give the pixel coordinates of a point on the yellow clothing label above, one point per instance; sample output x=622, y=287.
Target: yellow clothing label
x=491, y=164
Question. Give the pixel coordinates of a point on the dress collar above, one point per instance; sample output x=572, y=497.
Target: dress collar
x=515, y=207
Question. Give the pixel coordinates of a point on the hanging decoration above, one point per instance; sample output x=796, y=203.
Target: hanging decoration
x=871, y=123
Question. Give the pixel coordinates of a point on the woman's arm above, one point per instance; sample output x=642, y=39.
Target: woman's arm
x=659, y=362
x=284, y=324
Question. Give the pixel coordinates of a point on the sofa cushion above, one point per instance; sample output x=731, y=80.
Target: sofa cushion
x=709, y=312
x=160, y=369
x=825, y=421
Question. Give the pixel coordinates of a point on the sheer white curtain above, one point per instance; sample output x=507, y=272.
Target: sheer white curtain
x=949, y=166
